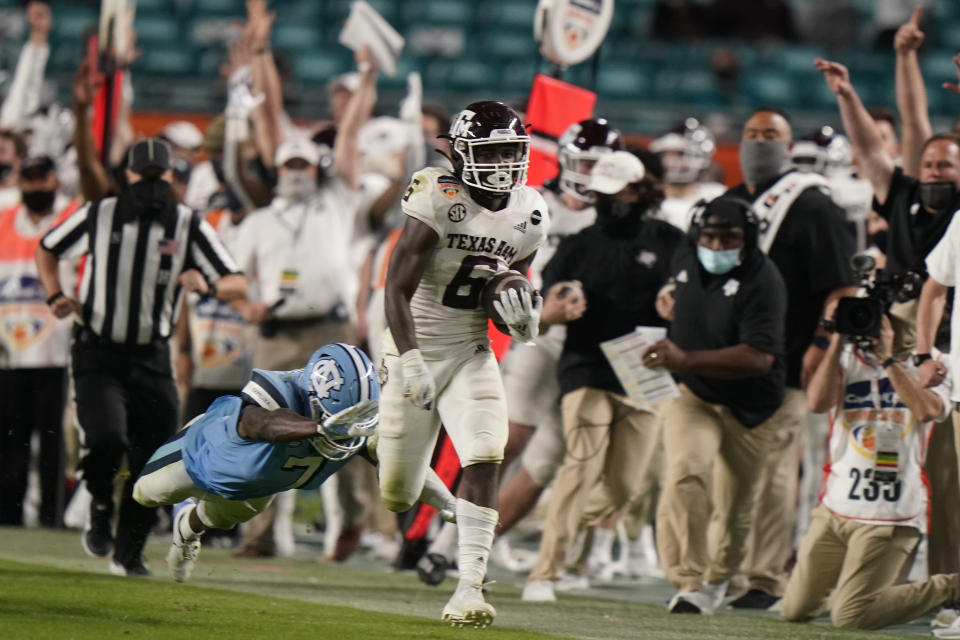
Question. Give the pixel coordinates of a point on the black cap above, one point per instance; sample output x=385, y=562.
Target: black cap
x=731, y=210
x=37, y=166
x=151, y=153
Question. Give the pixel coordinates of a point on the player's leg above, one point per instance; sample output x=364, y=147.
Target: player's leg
x=474, y=413
x=407, y=436
x=15, y=407
x=538, y=465
x=819, y=561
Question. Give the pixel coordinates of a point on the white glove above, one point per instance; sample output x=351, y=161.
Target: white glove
x=520, y=312
x=240, y=102
x=357, y=421
x=418, y=384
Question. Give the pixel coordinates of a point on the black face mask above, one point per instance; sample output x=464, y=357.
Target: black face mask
x=935, y=196
x=38, y=201
x=152, y=197
x=5, y=169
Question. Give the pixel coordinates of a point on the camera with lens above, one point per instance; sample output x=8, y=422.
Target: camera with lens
x=860, y=318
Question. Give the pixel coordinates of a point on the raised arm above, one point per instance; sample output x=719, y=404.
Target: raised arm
x=23, y=95
x=94, y=181
x=825, y=388
x=867, y=144
x=267, y=120
x=911, y=93
x=346, y=152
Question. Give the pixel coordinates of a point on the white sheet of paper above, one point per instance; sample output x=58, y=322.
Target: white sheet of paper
x=644, y=386
x=366, y=27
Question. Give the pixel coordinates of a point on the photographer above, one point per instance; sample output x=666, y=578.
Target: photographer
x=882, y=420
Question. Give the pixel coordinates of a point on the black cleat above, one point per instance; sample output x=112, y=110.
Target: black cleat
x=135, y=568
x=432, y=569
x=754, y=599
x=97, y=537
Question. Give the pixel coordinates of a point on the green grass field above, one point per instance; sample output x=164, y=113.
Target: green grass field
x=50, y=589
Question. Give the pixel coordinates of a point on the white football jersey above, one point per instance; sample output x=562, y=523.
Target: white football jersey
x=473, y=244
x=564, y=222
x=870, y=404
x=678, y=211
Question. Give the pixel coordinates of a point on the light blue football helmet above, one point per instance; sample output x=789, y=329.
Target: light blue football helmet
x=342, y=390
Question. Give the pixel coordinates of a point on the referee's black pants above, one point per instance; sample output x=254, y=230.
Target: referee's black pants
x=32, y=400
x=126, y=404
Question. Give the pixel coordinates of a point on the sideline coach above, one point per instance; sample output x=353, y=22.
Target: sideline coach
x=143, y=251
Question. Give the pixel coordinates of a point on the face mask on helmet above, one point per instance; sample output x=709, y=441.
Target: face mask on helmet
x=490, y=147
x=580, y=146
x=341, y=390
x=693, y=147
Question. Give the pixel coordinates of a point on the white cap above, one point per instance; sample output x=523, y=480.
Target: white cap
x=349, y=81
x=614, y=171
x=297, y=147
x=183, y=134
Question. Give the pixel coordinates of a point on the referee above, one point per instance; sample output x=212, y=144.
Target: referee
x=144, y=250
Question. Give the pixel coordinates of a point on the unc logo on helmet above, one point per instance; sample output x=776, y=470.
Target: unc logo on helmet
x=341, y=389
x=325, y=377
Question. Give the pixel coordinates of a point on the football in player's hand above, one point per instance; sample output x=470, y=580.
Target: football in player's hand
x=499, y=283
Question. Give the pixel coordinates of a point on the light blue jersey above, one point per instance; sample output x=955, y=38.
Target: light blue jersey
x=220, y=461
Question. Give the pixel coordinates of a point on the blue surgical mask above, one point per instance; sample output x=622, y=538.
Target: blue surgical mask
x=718, y=262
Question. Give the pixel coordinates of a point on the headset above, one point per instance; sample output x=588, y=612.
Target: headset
x=751, y=233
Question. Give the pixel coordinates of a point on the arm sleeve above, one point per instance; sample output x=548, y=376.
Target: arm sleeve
x=23, y=98
x=69, y=239
x=763, y=313
x=417, y=201
x=265, y=390
x=942, y=261
x=207, y=253
x=831, y=241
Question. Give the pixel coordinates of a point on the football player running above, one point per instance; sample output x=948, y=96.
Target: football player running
x=287, y=430
x=530, y=370
x=686, y=153
x=461, y=227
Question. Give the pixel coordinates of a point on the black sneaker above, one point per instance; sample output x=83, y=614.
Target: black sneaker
x=97, y=537
x=754, y=599
x=432, y=569
x=135, y=568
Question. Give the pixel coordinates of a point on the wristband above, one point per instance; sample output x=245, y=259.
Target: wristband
x=54, y=298
x=920, y=358
x=364, y=66
x=261, y=51
x=820, y=343
x=828, y=325
x=211, y=290
x=889, y=361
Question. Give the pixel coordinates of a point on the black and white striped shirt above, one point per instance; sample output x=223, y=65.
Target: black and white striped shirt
x=128, y=286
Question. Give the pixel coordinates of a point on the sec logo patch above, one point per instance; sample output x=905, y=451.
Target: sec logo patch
x=457, y=213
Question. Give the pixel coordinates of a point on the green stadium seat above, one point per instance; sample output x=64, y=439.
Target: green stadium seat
x=448, y=12
x=70, y=22
x=473, y=75
x=295, y=37
x=508, y=44
x=623, y=80
x=514, y=14
x=167, y=61
x=318, y=66
x=157, y=28
x=219, y=7
x=770, y=87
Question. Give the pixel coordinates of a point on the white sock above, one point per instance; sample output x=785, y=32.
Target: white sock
x=186, y=531
x=475, y=526
x=602, y=549
x=446, y=541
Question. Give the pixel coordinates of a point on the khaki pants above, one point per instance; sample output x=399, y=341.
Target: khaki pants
x=770, y=542
x=607, y=441
x=288, y=349
x=860, y=562
x=943, y=552
x=697, y=436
